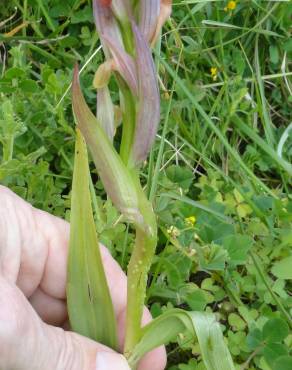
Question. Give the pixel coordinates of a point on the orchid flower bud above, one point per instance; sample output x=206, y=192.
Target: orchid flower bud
x=148, y=116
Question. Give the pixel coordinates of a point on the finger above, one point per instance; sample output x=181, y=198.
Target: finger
x=28, y=343
x=23, y=248
x=34, y=250
x=51, y=310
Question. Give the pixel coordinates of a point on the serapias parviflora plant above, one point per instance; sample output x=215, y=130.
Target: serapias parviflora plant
x=127, y=30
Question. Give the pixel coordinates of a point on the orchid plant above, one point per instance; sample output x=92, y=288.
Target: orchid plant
x=127, y=29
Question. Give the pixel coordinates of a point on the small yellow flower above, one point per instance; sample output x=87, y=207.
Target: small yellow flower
x=214, y=73
x=230, y=6
x=190, y=220
x=173, y=231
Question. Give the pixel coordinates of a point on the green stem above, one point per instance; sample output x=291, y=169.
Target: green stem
x=97, y=213
x=24, y=16
x=46, y=15
x=127, y=35
x=129, y=121
x=140, y=263
x=129, y=104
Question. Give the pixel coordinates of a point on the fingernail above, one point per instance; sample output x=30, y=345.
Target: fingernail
x=111, y=361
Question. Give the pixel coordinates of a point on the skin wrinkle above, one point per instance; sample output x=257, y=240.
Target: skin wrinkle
x=63, y=358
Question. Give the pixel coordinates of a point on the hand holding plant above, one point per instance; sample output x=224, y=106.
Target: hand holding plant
x=127, y=29
x=33, y=290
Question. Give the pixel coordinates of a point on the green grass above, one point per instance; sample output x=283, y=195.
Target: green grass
x=215, y=158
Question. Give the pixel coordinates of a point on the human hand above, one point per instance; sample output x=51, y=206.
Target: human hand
x=33, y=312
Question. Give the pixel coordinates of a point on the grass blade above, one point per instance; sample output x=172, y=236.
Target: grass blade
x=262, y=102
x=195, y=204
x=263, y=145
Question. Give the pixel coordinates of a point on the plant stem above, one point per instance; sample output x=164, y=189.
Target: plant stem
x=141, y=259
x=46, y=15
x=127, y=35
x=128, y=103
x=129, y=121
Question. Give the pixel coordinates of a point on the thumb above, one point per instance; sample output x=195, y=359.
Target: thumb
x=111, y=361
x=29, y=343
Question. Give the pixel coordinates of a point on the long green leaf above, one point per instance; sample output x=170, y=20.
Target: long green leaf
x=201, y=325
x=90, y=307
